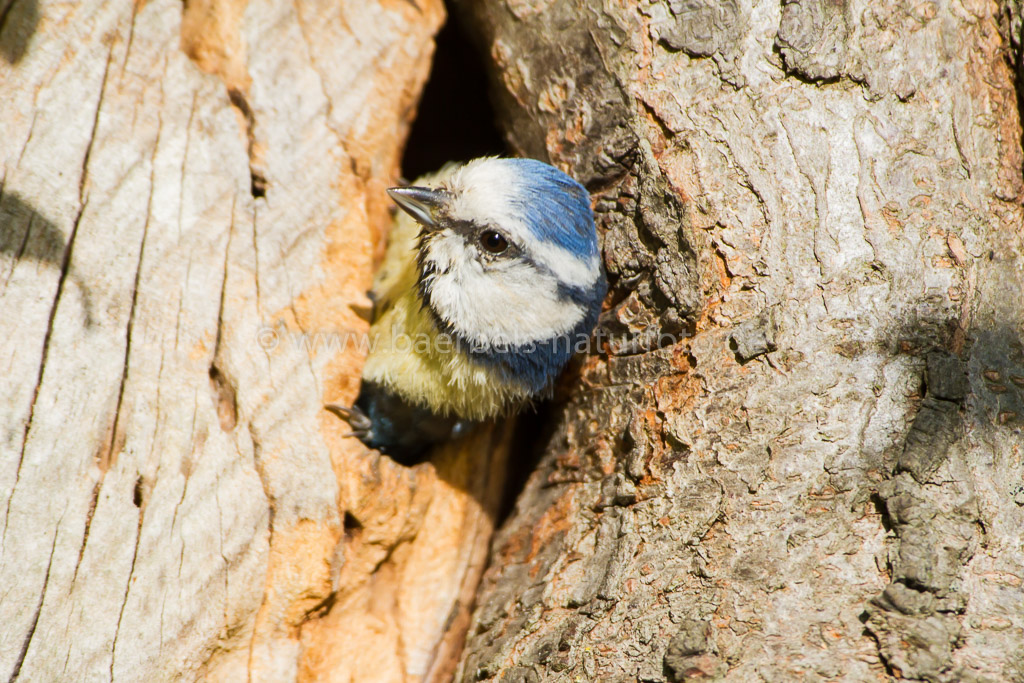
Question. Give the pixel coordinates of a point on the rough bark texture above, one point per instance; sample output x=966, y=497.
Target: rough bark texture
x=798, y=454
x=799, y=457
x=192, y=195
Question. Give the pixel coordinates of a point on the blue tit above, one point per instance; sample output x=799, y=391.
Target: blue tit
x=491, y=281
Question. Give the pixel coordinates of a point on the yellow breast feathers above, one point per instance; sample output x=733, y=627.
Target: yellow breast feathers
x=411, y=357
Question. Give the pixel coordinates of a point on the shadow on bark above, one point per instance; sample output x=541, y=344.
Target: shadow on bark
x=928, y=502
x=18, y=21
x=27, y=235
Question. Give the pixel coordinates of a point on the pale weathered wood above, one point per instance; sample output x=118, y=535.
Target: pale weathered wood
x=192, y=195
x=796, y=455
x=800, y=458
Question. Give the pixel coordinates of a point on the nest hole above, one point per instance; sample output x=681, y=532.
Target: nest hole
x=456, y=120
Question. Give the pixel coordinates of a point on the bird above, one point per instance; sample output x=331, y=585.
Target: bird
x=491, y=281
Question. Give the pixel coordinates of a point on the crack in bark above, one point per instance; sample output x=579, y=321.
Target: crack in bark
x=818, y=179
x=960, y=143
x=211, y=38
x=94, y=499
x=31, y=128
x=224, y=393
x=184, y=487
x=108, y=457
x=65, y=268
x=131, y=37
x=257, y=179
x=35, y=619
x=271, y=503
x=748, y=182
x=127, y=591
x=184, y=163
x=320, y=77
x=223, y=283
x=256, y=261
x=357, y=176
x=223, y=557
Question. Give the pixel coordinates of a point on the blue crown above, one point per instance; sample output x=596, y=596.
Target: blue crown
x=554, y=207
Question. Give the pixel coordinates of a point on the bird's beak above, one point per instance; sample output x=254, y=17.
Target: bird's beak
x=419, y=202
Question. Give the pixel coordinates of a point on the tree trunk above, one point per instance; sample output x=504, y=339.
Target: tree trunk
x=192, y=196
x=796, y=452
x=799, y=456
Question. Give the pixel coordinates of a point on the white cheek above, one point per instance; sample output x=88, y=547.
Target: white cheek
x=509, y=303
x=446, y=251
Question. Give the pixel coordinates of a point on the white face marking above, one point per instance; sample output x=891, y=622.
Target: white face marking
x=501, y=302
x=477, y=196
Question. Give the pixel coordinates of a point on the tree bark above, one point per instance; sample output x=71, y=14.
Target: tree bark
x=799, y=454
x=192, y=197
x=796, y=453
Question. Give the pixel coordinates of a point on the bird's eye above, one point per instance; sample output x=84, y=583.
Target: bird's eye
x=493, y=242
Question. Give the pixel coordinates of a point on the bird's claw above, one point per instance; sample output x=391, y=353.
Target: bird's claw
x=355, y=417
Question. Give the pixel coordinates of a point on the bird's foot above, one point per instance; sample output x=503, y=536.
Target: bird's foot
x=356, y=418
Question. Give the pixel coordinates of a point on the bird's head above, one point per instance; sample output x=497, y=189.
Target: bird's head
x=508, y=254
